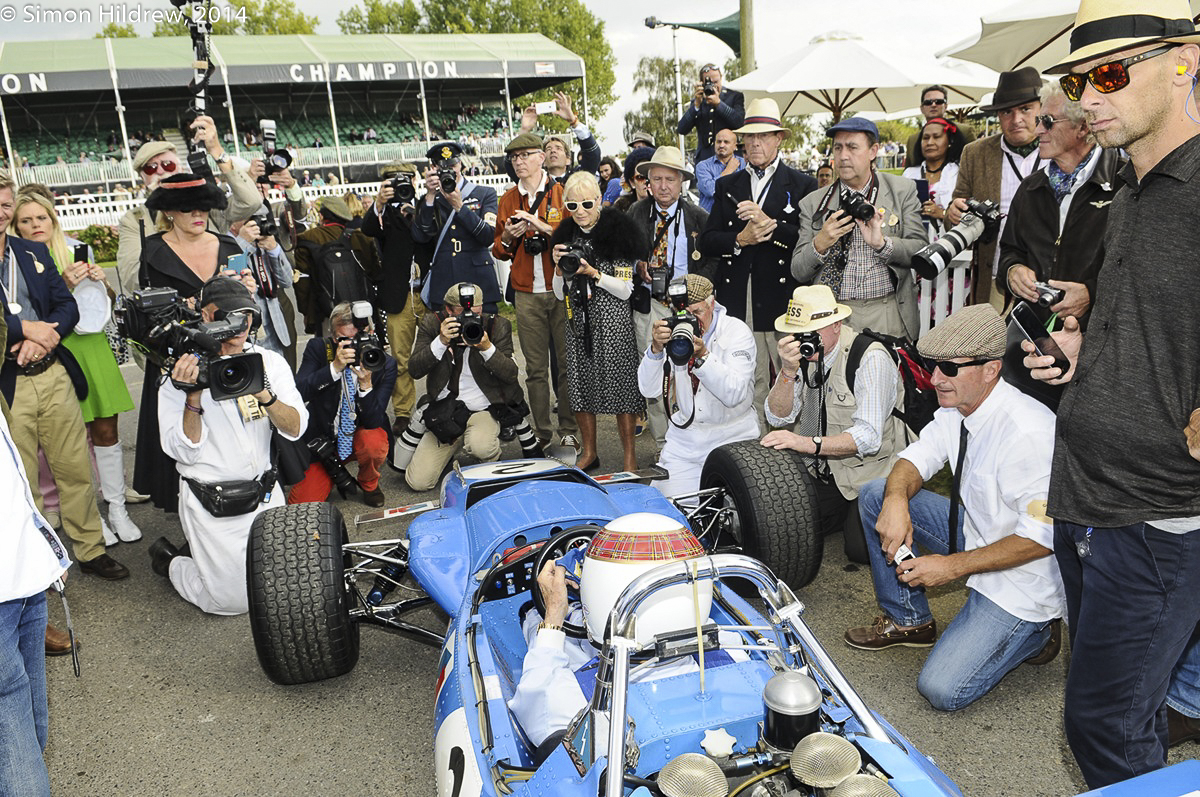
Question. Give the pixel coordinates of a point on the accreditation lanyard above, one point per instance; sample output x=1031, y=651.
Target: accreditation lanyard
x=1037, y=163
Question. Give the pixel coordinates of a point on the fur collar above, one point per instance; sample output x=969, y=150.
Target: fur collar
x=615, y=237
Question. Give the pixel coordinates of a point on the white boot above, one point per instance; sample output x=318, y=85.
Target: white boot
x=110, y=539
x=110, y=461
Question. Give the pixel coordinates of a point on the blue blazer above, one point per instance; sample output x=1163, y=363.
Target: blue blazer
x=323, y=394
x=52, y=301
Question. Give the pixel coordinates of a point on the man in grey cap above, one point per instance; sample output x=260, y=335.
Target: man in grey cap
x=1001, y=540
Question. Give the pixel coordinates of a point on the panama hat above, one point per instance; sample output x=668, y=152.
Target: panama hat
x=1103, y=27
x=670, y=157
x=812, y=307
x=762, y=117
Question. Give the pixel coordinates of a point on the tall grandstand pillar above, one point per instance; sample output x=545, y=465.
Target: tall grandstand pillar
x=337, y=141
x=237, y=140
x=587, y=114
x=508, y=114
x=112, y=74
x=424, y=104
x=13, y=163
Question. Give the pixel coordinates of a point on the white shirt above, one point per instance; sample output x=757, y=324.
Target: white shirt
x=758, y=184
x=468, y=389
x=1005, y=480
x=31, y=555
x=539, y=276
x=1010, y=180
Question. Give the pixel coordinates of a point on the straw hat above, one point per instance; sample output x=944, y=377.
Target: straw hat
x=812, y=307
x=1109, y=26
x=670, y=157
x=762, y=117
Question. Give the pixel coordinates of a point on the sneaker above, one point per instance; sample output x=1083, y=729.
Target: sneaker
x=572, y=441
x=885, y=634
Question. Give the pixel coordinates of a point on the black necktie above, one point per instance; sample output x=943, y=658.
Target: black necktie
x=955, y=496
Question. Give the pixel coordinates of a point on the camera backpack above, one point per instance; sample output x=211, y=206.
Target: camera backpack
x=338, y=274
x=920, y=398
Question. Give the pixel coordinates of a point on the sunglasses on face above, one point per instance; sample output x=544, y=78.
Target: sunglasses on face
x=166, y=167
x=1109, y=77
x=586, y=204
x=1047, y=121
x=927, y=103
x=949, y=367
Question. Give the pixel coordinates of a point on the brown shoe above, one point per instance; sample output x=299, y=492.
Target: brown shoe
x=372, y=497
x=1049, y=651
x=885, y=634
x=105, y=567
x=1181, y=728
x=58, y=642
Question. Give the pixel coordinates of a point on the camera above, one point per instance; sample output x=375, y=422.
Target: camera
x=1048, y=295
x=659, y=277
x=683, y=325
x=274, y=160
x=165, y=329
x=810, y=343
x=324, y=451
x=857, y=207
x=267, y=226
x=447, y=179
x=536, y=244
x=470, y=323
x=980, y=223
x=710, y=87
x=403, y=190
x=570, y=261
x=367, y=351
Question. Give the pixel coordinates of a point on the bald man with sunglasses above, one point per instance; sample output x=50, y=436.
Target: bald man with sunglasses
x=156, y=160
x=1127, y=444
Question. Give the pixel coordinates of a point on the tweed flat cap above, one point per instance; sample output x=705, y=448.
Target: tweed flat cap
x=975, y=331
x=699, y=288
x=524, y=141
x=150, y=150
x=336, y=206
x=452, y=297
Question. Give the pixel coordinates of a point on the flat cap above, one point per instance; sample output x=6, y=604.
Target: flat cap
x=149, y=150
x=336, y=206
x=392, y=168
x=975, y=331
x=699, y=288
x=524, y=141
x=855, y=124
x=452, y=295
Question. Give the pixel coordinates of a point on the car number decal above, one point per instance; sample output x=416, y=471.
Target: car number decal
x=517, y=468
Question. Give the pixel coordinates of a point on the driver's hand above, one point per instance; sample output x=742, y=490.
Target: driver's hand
x=552, y=582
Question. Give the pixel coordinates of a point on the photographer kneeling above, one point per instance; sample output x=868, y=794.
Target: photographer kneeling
x=468, y=361
x=222, y=450
x=347, y=381
x=706, y=359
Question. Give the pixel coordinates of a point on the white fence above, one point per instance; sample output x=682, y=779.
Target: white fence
x=78, y=216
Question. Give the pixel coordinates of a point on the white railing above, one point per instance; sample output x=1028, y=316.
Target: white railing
x=78, y=216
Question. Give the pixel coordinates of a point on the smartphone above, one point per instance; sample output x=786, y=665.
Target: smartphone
x=922, y=190
x=1035, y=332
x=81, y=253
x=903, y=553
x=238, y=264
x=549, y=106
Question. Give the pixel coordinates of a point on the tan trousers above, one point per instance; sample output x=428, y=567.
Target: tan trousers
x=542, y=322
x=880, y=315
x=481, y=440
x=401, y=332
x=45, y=412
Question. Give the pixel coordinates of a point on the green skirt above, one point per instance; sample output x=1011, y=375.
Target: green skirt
x=107, y=393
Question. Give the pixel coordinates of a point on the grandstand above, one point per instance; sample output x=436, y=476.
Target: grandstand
x=60, y=99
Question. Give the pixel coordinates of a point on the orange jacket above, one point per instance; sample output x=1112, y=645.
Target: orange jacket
x=550, y=211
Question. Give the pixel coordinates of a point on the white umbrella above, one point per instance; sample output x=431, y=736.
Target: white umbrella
x=1025, y=34
x=838, y=72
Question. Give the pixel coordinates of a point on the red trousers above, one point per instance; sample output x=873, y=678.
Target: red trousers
x=370, y=450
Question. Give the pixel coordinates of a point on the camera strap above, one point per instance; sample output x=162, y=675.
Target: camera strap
x=667, y=380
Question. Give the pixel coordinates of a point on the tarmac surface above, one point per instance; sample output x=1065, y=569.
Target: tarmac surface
x=172, y=701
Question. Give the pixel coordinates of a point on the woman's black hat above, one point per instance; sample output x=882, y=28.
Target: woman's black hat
x=185, y=192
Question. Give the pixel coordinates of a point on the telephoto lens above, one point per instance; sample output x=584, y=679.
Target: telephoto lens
x=448, y=180
x=570, y=261
x=402, y=190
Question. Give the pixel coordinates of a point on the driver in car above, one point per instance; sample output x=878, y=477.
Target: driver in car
x=558, y=675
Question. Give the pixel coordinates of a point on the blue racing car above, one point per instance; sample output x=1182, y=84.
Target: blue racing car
x=765, y=711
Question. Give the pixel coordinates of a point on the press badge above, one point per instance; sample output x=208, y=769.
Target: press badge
x=250, y=409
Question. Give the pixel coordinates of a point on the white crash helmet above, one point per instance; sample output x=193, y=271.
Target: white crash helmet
x=628, y=547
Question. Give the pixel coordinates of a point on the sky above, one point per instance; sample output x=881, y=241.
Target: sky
x=781, y=26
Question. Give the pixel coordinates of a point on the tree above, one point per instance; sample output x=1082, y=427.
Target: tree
x=568, y=23
x=248, y=18
x=114, y=31
x=380, y=16
x=658, y=114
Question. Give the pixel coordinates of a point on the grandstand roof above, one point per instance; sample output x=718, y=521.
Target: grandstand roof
x=49, y=67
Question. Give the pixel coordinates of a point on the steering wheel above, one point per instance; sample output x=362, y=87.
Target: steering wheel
x=555, y=547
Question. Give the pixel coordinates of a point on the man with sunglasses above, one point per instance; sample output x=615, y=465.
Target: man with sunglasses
x=1001, y=539
x=1127, y=445
x=933, y=105
x=156, y=160
x=1055, y=230
x=992, y=168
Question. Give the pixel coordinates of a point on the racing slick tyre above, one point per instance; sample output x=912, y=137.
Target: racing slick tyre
x=299, y=604
x=775, y=503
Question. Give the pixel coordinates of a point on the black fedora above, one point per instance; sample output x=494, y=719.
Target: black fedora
x=1015, y=88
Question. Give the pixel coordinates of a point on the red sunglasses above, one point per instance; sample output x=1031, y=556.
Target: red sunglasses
x=1109, y=77
x=166, y=167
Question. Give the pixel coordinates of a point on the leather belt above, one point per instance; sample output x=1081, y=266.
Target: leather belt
x=35, y=368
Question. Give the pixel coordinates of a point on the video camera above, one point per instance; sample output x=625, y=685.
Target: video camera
x=980, y=223
x=165, y=328
x=275, y=160
x=368, y=352
x=683, y=325
x=470, y=323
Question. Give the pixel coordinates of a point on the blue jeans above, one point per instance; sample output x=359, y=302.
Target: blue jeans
x=1183, y=694
x=23, y=714
x=983, y=642
x=1132, y=611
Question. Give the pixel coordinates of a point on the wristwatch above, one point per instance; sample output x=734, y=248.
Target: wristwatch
x=817, y=442
x=699, y=362
x=549, y=627
x=223, y=159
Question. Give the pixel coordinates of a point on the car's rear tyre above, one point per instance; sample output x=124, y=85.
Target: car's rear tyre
x=854, y=541
x=299, y=604
x=773, y=494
